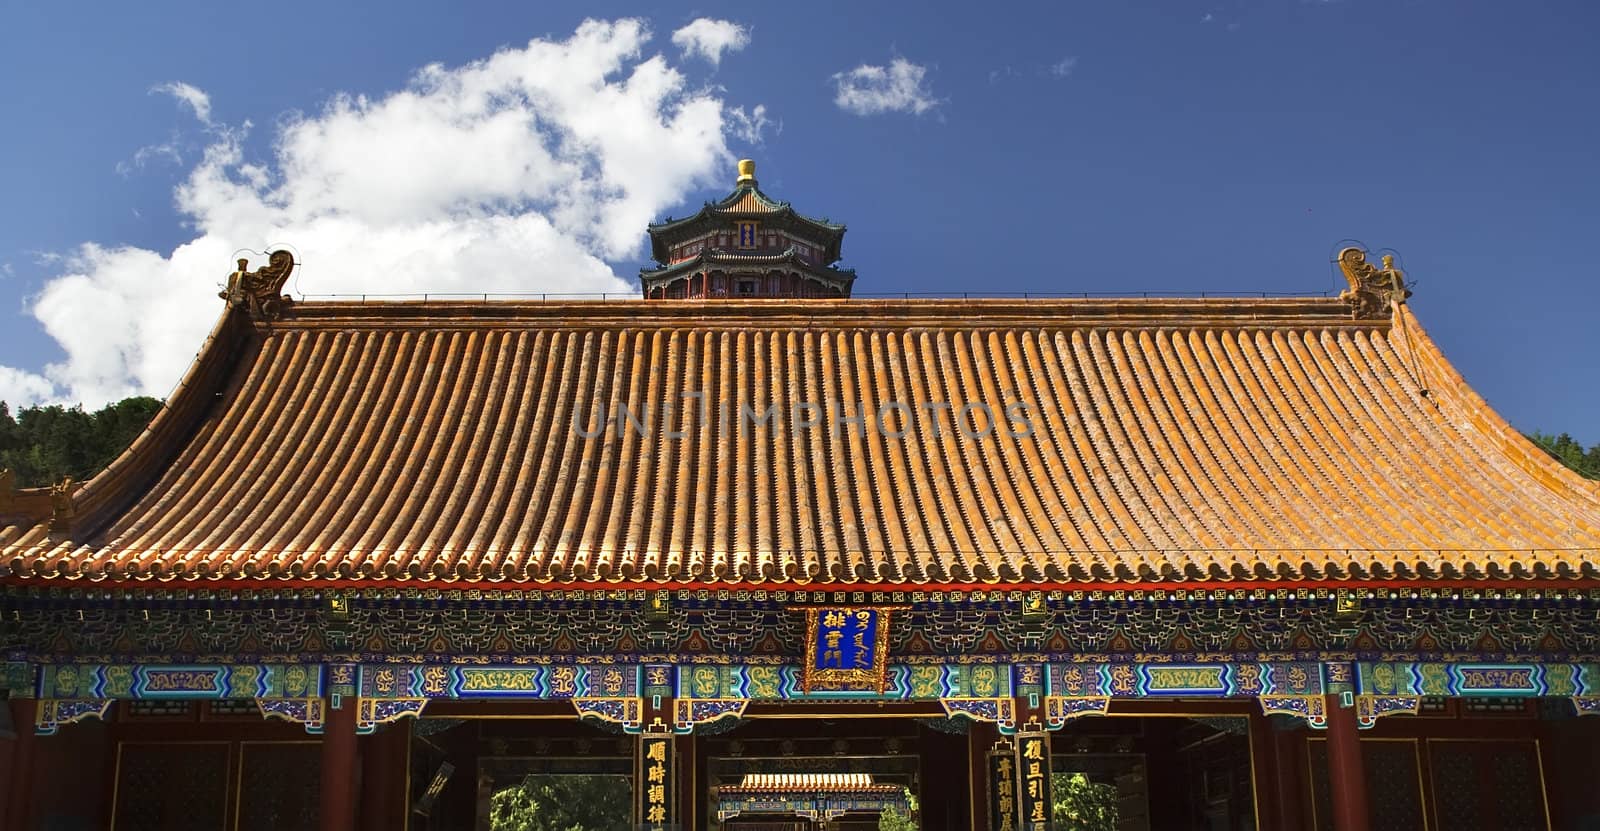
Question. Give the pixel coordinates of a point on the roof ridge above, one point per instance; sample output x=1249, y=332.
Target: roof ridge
x=841, y=313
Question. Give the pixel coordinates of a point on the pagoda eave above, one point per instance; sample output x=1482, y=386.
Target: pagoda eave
x=665, y=235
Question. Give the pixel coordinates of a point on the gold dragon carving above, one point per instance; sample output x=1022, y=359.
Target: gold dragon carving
x=62, y=511
x=52, y=503
x=257, y=292
x=1374, y=291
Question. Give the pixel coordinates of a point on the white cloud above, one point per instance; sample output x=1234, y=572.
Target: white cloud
x=189, y=95
x=710, y=38
x=869, y=90
x=1063, y=67
x=1004, y=72
x=141, y=157
x=748, y=126
x=521, y=172
x=20, y=387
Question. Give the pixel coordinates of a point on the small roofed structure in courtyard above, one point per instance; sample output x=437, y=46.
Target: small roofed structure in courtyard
x=820, y=798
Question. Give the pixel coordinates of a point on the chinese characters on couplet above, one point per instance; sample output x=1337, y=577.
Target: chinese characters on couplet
x=654, y=785
x=1033, y=769
x=1003, y=790
x=845, y=648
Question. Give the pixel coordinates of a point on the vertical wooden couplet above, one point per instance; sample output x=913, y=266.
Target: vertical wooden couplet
x=655, y=802
x=1003, y=787
x=1033, y=781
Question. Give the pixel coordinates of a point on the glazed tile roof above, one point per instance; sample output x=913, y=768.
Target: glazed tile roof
x=746, y=200
x=750, y=201
x=1171, y=440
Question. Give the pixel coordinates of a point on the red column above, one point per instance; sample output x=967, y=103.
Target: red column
x=980, y=739
x=1289, y=765
x=383, y=776
x=19, y=784
x=688, y=780
x=1347, y=777
x=339, y=768
x=1263, y=767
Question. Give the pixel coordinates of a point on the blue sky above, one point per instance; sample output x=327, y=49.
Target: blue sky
x=1082, y=146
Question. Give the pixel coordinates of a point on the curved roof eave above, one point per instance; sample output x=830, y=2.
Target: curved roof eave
x=162, y=439
x=717, y=257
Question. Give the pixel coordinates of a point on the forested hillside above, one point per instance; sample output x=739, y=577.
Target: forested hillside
x=43, y=445
x=1571, y=453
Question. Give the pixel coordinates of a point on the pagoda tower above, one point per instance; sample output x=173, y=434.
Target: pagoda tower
x=745, y=245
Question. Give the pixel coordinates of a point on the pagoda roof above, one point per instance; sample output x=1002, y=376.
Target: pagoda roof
x=714, y=257
x=745, y=202
x=1210, y=441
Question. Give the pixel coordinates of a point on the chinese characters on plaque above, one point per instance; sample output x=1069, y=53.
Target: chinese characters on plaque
x=747, y=235
x=653, y=786
x=846, y=649
x=1033, y=781
x=1003, y=789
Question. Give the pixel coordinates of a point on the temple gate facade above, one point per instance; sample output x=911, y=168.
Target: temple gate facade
x=756, y=552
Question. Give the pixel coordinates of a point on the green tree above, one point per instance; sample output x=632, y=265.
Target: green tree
x=43, y=445
x=1566, y=450
x=1082, y=804
x=893, y=819
x=563, y=802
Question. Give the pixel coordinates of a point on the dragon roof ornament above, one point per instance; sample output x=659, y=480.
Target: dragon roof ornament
x=257, y=292
x=62, y=510
x=1373, y=291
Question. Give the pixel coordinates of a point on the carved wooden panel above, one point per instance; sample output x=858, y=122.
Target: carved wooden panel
x=1394, y=786
x=172, y=787
x=1487, y=785
x=279, y=785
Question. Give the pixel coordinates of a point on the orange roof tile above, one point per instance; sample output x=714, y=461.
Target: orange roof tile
x=751, y=202
x=1217, y=440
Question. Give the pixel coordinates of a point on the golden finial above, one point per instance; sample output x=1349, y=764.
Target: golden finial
x=747, y=173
